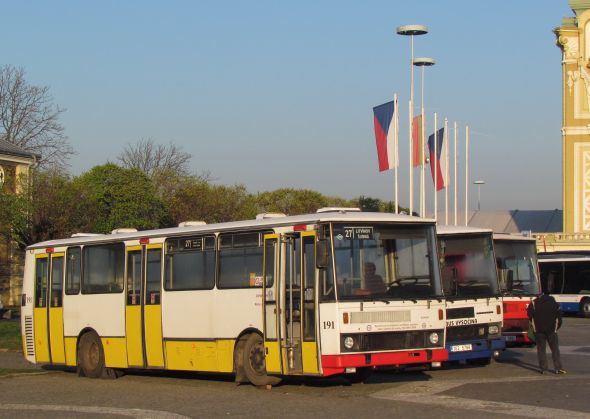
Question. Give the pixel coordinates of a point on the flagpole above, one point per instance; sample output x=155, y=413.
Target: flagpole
x=395, y=147
x=435, y=167
x=466, y=173
x=411, y=31
x=447, y=171
x=422, y=185
x=411, y=167
x=423, y=62
x=455, y=172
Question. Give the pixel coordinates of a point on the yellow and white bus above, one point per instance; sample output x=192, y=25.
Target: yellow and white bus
x=265, y=298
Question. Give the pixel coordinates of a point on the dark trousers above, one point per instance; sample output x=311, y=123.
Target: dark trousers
x=542, y=340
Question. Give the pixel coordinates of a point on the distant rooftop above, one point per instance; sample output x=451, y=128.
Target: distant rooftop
x=511, y=221
x=14, y=150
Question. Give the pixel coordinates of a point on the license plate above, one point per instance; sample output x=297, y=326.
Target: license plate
x=461, y=348
x=510, y=338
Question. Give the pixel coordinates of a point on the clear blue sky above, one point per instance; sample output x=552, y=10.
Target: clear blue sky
x=279, y=94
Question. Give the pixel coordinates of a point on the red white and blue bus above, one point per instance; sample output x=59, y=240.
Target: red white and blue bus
x=518, y=275
x=472, y=295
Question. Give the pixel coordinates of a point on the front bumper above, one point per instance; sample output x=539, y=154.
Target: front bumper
x=337, y=364
x=481, y=348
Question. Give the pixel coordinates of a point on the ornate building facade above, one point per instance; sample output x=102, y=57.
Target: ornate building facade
x=15, y=165
x=573, y=37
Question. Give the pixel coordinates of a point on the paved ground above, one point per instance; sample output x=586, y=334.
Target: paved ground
x=509, y=387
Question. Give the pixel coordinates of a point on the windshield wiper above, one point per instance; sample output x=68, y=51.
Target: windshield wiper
x=383, y=300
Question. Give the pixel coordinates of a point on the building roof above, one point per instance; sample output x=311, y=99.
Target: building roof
x=14, y=150
x=511, y=221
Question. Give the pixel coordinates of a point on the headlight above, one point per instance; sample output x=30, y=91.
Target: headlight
x=348, y=342
x=493, y=330
x=433, y=338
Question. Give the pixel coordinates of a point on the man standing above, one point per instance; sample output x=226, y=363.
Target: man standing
x=545, y=316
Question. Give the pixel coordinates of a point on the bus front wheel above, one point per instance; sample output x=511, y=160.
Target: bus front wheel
x=254, y=362
x=90, y=356
x=585, y=307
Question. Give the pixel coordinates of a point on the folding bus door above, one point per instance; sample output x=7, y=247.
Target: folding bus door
x=271, y=305
x=298, y=318
x=48, y=311
x=143, y=311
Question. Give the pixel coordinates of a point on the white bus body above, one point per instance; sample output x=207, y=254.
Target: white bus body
x=566, y=275
x=472, y=295
x=259, y=298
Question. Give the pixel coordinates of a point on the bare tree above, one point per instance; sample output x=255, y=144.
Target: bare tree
x=30, y=120
x=152, y=158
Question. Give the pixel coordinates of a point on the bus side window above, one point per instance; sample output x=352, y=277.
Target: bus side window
x=240, y=260
x=57, y=273
x=41, y=273
x=73, y=270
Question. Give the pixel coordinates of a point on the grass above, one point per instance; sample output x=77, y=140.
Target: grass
x=10, y=337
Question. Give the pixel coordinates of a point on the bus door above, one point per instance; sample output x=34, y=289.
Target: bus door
x=143, y=312
x=298, y=297
x=48, y=314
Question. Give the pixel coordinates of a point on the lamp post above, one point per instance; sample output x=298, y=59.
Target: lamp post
x=478, y=183
x=411, y=31
x=422, y=62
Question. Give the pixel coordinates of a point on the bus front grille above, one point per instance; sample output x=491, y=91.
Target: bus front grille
x=29, y=341
x=472, y=331
x=391, y=341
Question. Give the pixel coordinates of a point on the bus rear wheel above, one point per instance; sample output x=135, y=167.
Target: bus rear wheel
x=585, y=307
x=254, y=362
x=90, y=356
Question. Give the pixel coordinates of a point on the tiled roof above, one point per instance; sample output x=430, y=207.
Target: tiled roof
x=14, y=150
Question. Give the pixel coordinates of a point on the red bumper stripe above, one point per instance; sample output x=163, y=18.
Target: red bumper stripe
x=336, y=364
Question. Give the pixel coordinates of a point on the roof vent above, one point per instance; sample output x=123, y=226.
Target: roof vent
x=192, y=223
x=266, y=215
x=124, y=230
x=86, y=234
x=337, y=209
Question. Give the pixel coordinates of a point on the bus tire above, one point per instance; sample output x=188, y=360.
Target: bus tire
x=585, y=307
x=360, y=375
x=254, y=364
x=90, y=356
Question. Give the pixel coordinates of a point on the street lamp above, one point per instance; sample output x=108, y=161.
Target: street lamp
x=411, y=31
x=478, y=183
x=422, y=62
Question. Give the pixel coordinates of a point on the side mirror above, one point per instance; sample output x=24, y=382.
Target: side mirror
x=321, y=254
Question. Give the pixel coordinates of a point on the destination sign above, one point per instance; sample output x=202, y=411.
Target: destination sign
x=188, y=243
x=358, y=233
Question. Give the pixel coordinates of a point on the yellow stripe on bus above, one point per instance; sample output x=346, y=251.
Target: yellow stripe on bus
x=58, y=354
x=133, y=334
x=41, y=336
x=310, y=357
x=115, y=352
x=153, y=335
x=70, y=344
x=273, y=356
x=213, y=356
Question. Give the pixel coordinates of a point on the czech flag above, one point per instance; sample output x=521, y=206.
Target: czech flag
x=440, y=181
x=383, y=118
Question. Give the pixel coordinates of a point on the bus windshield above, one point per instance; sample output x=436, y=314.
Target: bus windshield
x=517, y=268
x=380, y=262
x=469, y=269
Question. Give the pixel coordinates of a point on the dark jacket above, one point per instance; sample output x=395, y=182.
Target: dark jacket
x=544, y=311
